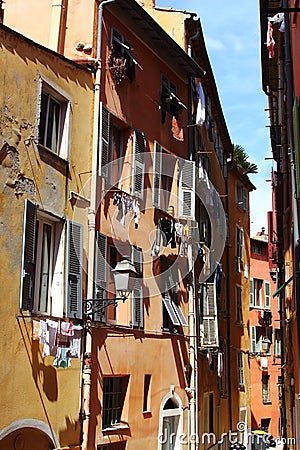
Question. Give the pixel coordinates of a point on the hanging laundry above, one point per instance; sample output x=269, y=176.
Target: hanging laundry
x=125, y=204
x=200, y=113
x=62, y=360
x=36, y=329
x=75, y=342
x=177, y=130
x=165, y=232
x=264, y=364
x=270, y=40
x=279, y=18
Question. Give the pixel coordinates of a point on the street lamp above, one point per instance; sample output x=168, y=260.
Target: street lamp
x=124, y=276
x=266, y=343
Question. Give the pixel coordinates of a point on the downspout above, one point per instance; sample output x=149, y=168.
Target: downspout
x=296, y=250
x=193, y=346
x=87, y=369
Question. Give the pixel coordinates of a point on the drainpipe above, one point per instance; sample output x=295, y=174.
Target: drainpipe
x=87, y=368
x=296, y=251
x=193, y=345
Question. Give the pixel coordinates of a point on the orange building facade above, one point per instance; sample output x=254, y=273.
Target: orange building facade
x=168, y=367
x=265, y=364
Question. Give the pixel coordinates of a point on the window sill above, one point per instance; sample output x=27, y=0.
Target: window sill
x=52, y=158
x=267, y=402
x=116, y=427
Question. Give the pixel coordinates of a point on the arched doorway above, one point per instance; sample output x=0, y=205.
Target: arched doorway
x=28, y=434
x=171, y=417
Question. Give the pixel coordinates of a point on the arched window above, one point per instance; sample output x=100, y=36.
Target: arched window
x=171, y=419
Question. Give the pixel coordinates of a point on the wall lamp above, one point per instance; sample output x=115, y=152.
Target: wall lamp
x=124, y=277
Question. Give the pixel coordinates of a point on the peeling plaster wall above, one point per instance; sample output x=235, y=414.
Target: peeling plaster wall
x=33, y=387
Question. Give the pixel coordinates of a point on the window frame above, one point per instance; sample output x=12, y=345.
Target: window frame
x=239, y=303
x=241, y=370
x=47, y=87
x=116, y=397
x=241, y=197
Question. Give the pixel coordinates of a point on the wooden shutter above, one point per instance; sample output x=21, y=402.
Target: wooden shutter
x=253, y=339
x=187, y=176
x=28, y=257
x=209, y=331
x=267, y=294
x=157, y=168
x=137, y=293
x=104, y=141
x=252, y=293
x=74, y=270
x=100, y=276
x=138, y=163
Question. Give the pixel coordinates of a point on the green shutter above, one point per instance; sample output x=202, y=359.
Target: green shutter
x=28, y=257
x=74, y=270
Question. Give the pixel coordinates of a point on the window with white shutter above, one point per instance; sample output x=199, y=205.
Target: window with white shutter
x=138, y=163
x=209, y=336
x=157, y=175
x=239, y=248
x=172, y=313
x=186, y=207
x=137, y=293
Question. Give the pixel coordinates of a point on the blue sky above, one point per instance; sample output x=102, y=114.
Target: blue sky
x=232, y=36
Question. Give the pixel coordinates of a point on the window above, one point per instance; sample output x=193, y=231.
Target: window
x=239, y=305
x=257, y=335
x=163, y=177
x=239, y=248
x=171, y=311
x=169, y=101
x=241, y=376
x=209, y=336
x=54, y=118
x=256, y=293
x=241, y=197
x=114, y=392
x=146, y=401
x=257, y=249
x=171, y=423
x=264, y=424
x=42, y=278
x=267, y=295
x=265, y=388
x=110, y=149
x=277, y=343
x=208, y=410
x=120, y=59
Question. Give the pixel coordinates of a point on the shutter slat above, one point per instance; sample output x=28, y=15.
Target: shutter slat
x=74, y=270
x=137, y=293
x=187, y=176
x=103, y=153
x=209, y=335
x=100, y=285
x=138, y=163
x=28, y=257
